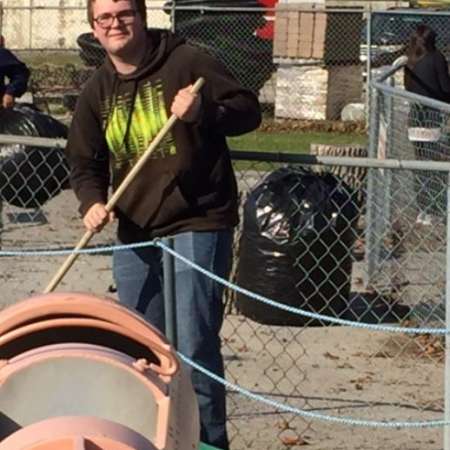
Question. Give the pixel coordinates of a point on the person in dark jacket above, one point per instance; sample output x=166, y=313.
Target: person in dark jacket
x=17, y=74
x=427, y=74
x=187, y=190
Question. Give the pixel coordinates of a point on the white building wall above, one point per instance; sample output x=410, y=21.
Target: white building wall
x=55, y=24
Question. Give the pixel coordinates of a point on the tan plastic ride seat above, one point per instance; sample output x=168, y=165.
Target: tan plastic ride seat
x=79, y=372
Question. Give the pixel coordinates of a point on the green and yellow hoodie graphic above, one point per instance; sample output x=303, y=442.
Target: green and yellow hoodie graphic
x=188, y=184
x=132, y=122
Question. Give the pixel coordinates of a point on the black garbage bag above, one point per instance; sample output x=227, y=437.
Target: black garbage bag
x=91, y=51
x=29, y=176
x=295, y=247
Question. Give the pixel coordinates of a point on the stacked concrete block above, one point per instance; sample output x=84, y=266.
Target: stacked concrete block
x=309, y=31
x=317, y=52
x=316, y=92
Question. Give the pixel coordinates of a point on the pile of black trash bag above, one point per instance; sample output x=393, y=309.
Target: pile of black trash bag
x=295, y=248
x=31, y=175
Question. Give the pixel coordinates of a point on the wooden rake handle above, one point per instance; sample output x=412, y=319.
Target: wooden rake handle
x=118, y=192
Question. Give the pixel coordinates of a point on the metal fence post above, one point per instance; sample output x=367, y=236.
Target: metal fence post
x=1, y=222
x=447, y=324
x=172, y=17
x=368, y=63
x=372, y=190
x=385, y=223
x=1, y=18
x=30, y=24
x=170, y=293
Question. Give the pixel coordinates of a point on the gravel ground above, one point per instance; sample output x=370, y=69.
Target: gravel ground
x=336, y=371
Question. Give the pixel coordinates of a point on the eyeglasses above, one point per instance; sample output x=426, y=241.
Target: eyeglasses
x=125, y=17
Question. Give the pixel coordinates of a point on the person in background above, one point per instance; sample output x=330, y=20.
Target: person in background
x=16, y=73
x=187, y=189
x=427, y=74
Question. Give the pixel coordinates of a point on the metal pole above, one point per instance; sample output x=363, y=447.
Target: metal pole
x=372, y=192
x=447, y=324
x=368, y=63
x=387, y=221
x=170, y=293
x=172, y=17
x=30, y=24
x=1, y=222
x=1, y=18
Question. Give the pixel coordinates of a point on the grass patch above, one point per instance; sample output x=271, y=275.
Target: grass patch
x=57, y=58
x=298, y=142
x=295, y=141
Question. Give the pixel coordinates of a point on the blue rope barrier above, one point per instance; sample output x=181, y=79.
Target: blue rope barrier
x=312, y=415
x=293, y=310
x=230, y=285
x=94, y=250
x=251, y=395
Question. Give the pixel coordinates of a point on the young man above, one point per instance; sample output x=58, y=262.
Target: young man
x=17, y=74
x=187, y=189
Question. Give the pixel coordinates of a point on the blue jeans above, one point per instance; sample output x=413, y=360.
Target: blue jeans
x=199, y=310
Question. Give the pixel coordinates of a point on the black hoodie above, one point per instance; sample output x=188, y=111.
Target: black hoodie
x=188, y=184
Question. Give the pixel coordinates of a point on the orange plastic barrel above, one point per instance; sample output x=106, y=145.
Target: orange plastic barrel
x=82, y=372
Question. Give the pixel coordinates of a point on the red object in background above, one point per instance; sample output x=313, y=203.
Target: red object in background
x=266, y=31
x=2, y=41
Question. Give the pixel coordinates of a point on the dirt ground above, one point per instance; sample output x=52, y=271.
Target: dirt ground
x=336, y=371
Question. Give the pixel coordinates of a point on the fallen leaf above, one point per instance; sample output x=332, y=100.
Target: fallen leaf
x=283, y=425
x=382, y=355
x=244, y=348
x=290, y=441
x=330, y=356
x=346, y=365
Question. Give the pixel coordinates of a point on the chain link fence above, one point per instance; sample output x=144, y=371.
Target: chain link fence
x=362, y=255
x=389, y=32
x=421, y=132
x=311, y=365
x=306, y=63
x=386, y=35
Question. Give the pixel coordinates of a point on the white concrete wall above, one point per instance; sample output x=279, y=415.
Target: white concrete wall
x=43, y=24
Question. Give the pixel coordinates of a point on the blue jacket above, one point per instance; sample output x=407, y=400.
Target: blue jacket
x=16, y=72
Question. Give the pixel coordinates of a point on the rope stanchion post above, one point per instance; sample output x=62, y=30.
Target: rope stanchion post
x=170, y=293
x=119, y=191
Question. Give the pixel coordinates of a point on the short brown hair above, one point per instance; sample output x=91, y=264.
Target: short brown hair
x=139, y=4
